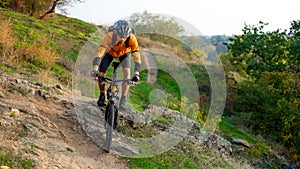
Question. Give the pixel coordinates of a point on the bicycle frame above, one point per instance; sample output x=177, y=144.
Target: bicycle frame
x=111, y=111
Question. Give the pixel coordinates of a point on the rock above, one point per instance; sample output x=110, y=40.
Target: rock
x=3, y=80
x=59, y=86
x=67, y=104
x=46, y=96
x=135, y=119
x=2, y=95
x=57, y=167
x=197, y=135
x=286, y=165
x=43, y=94
x=38, y=84
x=14, y=112
x=280, y=157
x=237, y=149
x=31, y=92
x=19, y=81
x=240, y=142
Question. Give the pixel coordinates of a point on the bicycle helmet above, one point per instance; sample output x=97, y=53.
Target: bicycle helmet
x=122, y=28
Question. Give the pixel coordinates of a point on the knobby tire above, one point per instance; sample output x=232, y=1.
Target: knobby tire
x=109, y=127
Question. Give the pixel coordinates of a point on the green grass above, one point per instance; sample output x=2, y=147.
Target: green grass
x=140, y=132
x=164, y=121
x=200, y=73
x=185, y=156
x=188, y=156
x=14, y=161
x=169, y=160
x=6, y=69
x=141, y=94
x=62, y=73
x=59, y=29
x=255, y=151
x=66, y=35
x=167, y=83
x=31, y=148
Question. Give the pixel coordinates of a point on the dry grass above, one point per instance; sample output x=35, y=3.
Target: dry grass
x=13, y=51
x=41, y=53
x=7, y=40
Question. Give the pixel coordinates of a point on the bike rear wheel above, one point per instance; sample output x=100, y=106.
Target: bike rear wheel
x=109, y=120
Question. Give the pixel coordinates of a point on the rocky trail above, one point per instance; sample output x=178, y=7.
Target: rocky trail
x=57, y=131
x=40, y=120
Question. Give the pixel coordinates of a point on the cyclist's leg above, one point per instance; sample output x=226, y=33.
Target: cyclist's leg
x=125, y=62
x=105, y=62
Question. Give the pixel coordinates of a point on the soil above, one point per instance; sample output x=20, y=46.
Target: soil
x=42, y=126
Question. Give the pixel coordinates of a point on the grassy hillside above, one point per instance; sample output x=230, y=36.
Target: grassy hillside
x=36, y=47
x=46, y=51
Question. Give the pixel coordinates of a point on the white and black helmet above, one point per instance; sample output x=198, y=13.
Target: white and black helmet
x=122, y=28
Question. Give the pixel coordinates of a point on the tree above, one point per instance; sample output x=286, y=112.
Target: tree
x=59, y=4
x=158, y=28
x=149, y=23
x=295, y=45
x=37, y=8
x=257, y=51
x=270, y=97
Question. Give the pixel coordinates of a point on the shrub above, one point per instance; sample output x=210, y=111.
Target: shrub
x=273, y=104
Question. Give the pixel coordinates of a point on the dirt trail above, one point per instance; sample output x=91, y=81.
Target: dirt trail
x=49, y=131
x=150, y=66
x=52, y=135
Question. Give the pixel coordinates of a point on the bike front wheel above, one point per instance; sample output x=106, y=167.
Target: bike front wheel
x=109, y=124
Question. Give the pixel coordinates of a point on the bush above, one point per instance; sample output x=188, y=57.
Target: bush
x=274, y=105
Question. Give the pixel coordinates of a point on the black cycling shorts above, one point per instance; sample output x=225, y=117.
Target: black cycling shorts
x=107, y=59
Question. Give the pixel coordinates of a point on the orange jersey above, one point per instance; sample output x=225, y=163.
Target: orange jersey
x=119, y=48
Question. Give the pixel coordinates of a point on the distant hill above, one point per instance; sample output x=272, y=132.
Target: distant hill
x=219, y=42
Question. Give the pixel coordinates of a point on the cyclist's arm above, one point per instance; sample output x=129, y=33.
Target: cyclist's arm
x=137, y=62
x=136, y=54
x=101, y=51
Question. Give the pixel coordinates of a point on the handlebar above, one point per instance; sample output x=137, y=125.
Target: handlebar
x=106, y=79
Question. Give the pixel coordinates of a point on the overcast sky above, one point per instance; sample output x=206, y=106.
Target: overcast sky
x=210, y=17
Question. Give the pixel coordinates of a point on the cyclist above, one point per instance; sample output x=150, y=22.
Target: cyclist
x=119, y=43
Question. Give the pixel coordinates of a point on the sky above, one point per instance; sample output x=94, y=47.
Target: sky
x=210, y=17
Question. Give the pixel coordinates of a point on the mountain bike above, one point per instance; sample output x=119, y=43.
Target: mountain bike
x=111, y=109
